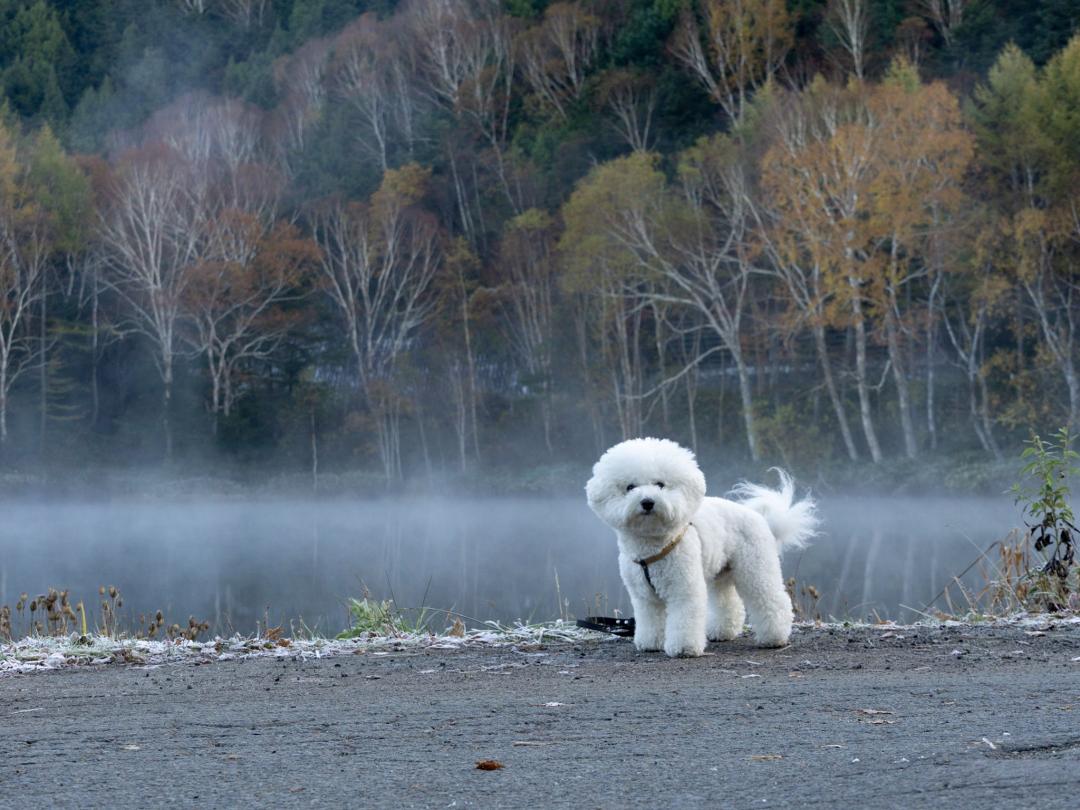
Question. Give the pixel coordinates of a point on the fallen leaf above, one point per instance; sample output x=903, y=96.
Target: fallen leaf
x=488, y=765
x=458, y=629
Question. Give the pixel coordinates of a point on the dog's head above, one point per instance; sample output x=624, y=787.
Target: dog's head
x=646, y=487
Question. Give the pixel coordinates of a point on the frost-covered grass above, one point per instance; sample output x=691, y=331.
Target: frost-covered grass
x=45, y=653
x=42, y=653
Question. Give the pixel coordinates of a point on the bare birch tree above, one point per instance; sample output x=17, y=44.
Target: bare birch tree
x=372, y=75
x=378, y=263
x=465, y=59
x=527, y=303
x=685, y=249
x=557, y=52
x=966, y=313
x=947, y=16
x=630, y=99
x=735, y=50
x=24, y=252
x=301, y=80
x=245, y=13
x=152, y=231
x=849, y=20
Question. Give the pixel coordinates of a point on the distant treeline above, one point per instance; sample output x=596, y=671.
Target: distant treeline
x=409, y=236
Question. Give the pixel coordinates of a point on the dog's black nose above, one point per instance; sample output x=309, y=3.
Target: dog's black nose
x=647, y=504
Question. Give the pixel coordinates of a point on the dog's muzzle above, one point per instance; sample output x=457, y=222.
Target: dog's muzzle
x=647, y=505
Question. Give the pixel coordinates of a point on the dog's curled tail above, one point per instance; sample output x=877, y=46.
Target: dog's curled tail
x=792, y=523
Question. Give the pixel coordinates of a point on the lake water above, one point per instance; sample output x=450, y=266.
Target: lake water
x=233, y=562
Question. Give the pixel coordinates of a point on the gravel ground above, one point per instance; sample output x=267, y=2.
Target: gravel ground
x=903, y=717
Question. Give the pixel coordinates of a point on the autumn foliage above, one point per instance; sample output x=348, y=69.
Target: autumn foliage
x=436, y=234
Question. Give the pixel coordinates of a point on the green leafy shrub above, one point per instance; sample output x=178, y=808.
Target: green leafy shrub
x=1050, y=523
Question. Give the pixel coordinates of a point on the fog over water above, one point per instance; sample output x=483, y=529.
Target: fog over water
x=228, y=562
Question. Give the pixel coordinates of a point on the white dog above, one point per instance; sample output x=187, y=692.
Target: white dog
x=691, y=562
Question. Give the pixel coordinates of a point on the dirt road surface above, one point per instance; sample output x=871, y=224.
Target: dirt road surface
x=942, y=717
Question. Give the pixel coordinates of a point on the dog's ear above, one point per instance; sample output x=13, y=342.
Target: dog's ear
x=594, y=490
x=695, y=482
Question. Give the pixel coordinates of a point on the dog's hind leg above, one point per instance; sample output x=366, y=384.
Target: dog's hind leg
x=726, y=613
x=755, y=567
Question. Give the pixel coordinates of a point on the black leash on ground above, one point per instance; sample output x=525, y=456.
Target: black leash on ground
x=608, y=624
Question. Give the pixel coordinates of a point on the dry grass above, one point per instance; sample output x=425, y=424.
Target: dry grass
x=52, y=614
x=1009, y=577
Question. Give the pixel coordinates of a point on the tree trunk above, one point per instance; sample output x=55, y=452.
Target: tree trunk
x=860, y=379
x=658, y=340
x=44, y=371
x=215, y=394
x=746, y=396
x=892, y=337
x=3, y=400
x=471, y=365
x=423, y=440
x=931, y=345
x=545, y=418
x=461, y=416
x=95, y=360
x=834, y=393
x=973, y=412
x=314, y=454
x=984, y=415
x=1073, y=383
x=166, y=401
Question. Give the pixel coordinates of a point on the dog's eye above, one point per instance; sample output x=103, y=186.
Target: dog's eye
x=660, y=484
x=630, y=487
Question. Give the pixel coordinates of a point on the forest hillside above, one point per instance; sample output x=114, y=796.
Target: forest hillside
x=432, y=237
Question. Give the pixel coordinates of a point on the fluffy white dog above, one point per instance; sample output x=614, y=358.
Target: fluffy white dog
x=689, y=562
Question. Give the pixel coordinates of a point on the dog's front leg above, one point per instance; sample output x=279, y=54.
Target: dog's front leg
x=684, y=634
x=649, y=617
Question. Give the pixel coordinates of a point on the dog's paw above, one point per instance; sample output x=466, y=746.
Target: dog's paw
x=681, y=648
x=724, y=634
x=650, y=644
x=772, y=639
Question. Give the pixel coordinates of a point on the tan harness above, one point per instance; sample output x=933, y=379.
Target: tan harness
x=660, y=555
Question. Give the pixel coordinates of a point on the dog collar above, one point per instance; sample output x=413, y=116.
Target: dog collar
x=666, y=549
x=660, y=555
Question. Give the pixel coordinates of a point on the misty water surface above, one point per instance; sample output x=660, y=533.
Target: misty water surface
x=486, y=558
